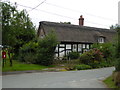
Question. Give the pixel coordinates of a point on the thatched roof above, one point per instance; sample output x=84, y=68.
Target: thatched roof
x=76, y=33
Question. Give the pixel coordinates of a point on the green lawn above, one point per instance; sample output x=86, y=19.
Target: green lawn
x=19, y=66
x=108, y=81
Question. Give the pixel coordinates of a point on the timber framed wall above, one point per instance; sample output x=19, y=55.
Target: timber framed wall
x=64, y=48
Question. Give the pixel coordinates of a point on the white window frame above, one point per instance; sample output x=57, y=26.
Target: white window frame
x=68, y=46
x=42, y=36
x=83, y=45
x=101, y=40
x=75, y=47
x=87, y=46
x=79, y=47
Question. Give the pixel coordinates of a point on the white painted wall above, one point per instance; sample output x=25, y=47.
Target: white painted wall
x=68, y=46
x=56, y=49
x=62, y=53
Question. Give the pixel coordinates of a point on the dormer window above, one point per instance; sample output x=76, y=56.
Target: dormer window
x=101, y=40
x=42, y=36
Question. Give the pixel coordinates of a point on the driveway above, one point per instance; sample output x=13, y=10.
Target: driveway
x=68, y=79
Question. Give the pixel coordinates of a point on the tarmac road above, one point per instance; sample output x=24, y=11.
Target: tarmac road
x=69, y=79
x=0, y=82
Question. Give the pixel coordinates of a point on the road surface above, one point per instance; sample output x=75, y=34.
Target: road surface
x=0, y=82
x=68, y=79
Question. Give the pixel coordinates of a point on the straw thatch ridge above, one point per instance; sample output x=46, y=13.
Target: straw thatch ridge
x=76, y=33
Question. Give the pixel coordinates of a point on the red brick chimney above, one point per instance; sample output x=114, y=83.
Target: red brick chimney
x=81, y=21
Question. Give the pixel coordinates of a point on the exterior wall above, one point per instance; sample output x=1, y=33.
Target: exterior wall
x=68, y=48
x=64, y=49
x=42, y=34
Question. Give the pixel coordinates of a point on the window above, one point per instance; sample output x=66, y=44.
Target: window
x=74, y=47
x=68, y=46
x=79, y=47
x=41, y=33
x=83, y=45
x=87, y=46
x=62, y=45
x=42, y=36
x=101, y=40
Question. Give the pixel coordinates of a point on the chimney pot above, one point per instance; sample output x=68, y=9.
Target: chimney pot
x=81, y=21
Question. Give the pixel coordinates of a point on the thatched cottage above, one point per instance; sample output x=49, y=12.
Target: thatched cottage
x=75, y=37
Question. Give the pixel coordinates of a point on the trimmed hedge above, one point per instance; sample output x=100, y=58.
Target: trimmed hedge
x=73, y=55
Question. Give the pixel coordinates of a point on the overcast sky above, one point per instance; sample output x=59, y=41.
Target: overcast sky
x=97, y=13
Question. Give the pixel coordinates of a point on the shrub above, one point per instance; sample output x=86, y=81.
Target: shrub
x=73, y=55
x=70, y=64
x=95, y=64
x=27, y=52
x=65, y=58
x=82, y=67
x=104, y=64
x=30, y=58
x=117, y=65
x=39, y=52
x=107, y=49
x=92, y=56
x=46, y=48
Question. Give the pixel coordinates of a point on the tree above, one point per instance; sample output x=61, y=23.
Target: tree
x=26, y=30
x=116, y=74
x=8, y=34
x=116, y=44
x=66, y=22
x=117, y=55
x=17, y=28
x=114, y=26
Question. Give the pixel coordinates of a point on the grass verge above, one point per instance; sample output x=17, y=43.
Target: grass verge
x=109, y=82
x=19, y=66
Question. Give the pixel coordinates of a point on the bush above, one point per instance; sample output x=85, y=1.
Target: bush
x=104, y=64
x=82, y=67
x=70, y=64
x=27, y=52
x=95, y=64
x=107, y=49
x=30, y=58
x=92, y=56
x=39, y=52
x=46, y=48
x=117, y=65
x=73, y=55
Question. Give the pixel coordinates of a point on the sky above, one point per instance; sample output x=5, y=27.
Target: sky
x=96, y=13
